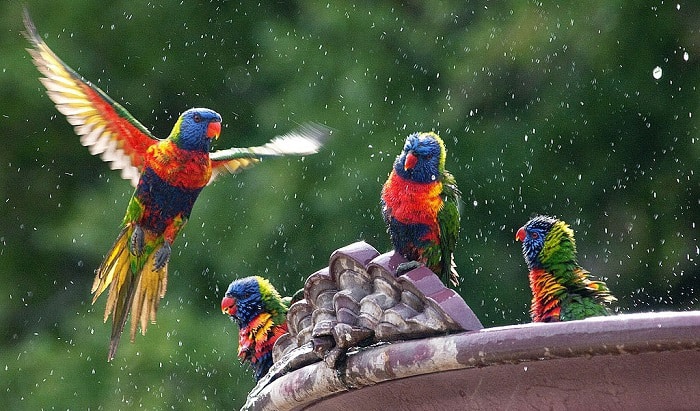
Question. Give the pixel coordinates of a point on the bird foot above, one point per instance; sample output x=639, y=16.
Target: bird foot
x=137, y=241
x=162, y=256
x=403, y=268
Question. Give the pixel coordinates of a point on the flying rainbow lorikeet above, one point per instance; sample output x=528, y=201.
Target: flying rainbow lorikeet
x=419, y=206
x=261, y=314
x=168, y=175
x=561, y=289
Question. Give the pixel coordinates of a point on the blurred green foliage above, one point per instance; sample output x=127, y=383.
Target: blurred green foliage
x=544, y=108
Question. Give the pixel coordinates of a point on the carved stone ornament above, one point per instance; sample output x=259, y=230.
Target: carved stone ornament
x=358, y=301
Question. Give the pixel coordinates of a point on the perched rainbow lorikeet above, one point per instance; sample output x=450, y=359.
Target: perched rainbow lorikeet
x=168, y=175
x=419, y=206
x=561, y=289
x=261, y=315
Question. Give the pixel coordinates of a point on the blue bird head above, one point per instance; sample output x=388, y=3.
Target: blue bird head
x=243, y=300
x=196, y=128
x=422, y=159
x=532, y=235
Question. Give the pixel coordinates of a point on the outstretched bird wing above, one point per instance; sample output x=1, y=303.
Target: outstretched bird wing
x=302, y=141
x=104, y=126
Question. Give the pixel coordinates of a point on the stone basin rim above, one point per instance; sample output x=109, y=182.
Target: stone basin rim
x=619, y=335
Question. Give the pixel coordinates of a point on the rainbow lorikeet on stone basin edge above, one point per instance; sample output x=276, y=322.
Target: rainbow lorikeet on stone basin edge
x=168, y=174
x=419, y=206
x=561, y=289
x=261, y=314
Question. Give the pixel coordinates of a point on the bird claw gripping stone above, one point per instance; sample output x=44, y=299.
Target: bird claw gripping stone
x=403, y=268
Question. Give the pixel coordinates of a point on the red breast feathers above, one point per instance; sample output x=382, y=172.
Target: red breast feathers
x=178, y=167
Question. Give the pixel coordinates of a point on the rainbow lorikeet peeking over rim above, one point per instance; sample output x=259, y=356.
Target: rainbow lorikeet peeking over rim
x=261, y=314
x=561, y=289
x=168, y=175
x=419, y=206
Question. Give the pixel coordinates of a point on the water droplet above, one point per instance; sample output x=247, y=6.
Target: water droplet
x=657, y=72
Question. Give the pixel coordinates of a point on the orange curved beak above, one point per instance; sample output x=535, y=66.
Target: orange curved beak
x=228, y=306
x=410, y=162
x=520, y=235
x=214, y=129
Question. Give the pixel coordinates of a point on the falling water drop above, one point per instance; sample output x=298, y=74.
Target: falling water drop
x=657, y=72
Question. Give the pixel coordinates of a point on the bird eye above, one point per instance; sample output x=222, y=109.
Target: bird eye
x=534, y=235
x=197, y=118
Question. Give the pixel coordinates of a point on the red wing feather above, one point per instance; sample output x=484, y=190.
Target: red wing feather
x=104, y=126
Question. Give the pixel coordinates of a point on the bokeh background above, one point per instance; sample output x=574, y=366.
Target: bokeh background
x=586, y=111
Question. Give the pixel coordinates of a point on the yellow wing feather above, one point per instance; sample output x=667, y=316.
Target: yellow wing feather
x=104, y=126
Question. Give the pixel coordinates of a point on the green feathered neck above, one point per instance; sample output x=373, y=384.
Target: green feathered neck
x=558, y=255
x=443, y=150
x=272, y=300
x=175, y=132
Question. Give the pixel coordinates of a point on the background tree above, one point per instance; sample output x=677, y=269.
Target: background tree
x=587, y=112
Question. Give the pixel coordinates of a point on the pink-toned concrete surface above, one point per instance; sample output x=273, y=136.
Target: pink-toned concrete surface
x=634, y=361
